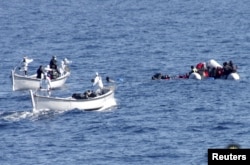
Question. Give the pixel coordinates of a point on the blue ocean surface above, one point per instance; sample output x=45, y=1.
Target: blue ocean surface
x=171, y=122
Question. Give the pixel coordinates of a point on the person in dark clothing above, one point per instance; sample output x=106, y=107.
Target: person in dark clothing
x=165, y=77
x=218, y=72
x=212, y=72
x=193, y=70
x=157, y=76
x=234, y=67
x=39, y=72
x=53, y=63
x=53, y=66
x=227, y=69
x=109, y=80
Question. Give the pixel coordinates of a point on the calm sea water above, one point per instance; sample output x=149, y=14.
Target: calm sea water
x=155, y=122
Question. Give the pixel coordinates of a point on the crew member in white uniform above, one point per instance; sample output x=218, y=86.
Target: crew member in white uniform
x=97, y=83
x=25, y=64
x=45, y=84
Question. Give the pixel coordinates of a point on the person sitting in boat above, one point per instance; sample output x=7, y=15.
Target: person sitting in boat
x=212, y=72
x=97, y=83
x=202, y=69
x=218, y=72
x=39, y=72
x=227, y=69
x=45, y=83
x=53, y=66
x=88, y=94
x=206, y=73
x=234, y=67
x=25, y=64
x=200, y=66
x=48, y=72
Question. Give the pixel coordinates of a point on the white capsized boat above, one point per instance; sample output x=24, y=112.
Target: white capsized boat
x=195, y=75
x=232, y=76
x=99, y=102
x=214, y=64
x=25, y=82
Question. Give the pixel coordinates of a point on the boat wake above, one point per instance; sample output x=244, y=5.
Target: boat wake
x=16, y=116
x=27, y=115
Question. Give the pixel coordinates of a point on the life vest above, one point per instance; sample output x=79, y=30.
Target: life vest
x=206, y=73
x=219, y=72
x=199, y=66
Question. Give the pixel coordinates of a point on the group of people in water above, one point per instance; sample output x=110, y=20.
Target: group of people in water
x=214, y=71
x=204, y=71
x=52, y=72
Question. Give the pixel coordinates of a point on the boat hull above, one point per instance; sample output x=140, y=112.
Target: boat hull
x=233, y=76
x=62, y=104
x=213, y=64
x=20, y=82
x=195, y=76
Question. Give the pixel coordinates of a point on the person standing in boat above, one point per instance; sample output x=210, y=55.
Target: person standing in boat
x=227, y=69
x=25, y=64
x=97, y=83
x=39, y=72
x=45, y=84
x=53, y=65
x=234, y=67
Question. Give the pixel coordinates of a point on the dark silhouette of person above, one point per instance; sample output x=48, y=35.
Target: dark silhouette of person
x=53, y=66
x=193, y=70
x=233, y=67
x=39, y=72
x=53, y=63
x=109, y=80
x=227, y=69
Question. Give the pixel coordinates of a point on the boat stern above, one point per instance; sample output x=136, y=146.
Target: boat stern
x=13, y=79
x=233, y=76
x=32, y=100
